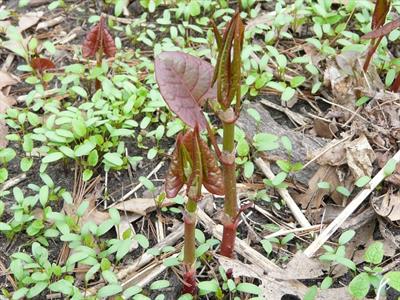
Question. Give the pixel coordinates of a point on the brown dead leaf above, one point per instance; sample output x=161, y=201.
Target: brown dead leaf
x=5, y=103
x=313, y=197
x=141, y=206
x=7, y=79
x=302, y=267
x=29, y=19
x=324, y=129
x=360, y=156
x=388, y=206
x=333, y=153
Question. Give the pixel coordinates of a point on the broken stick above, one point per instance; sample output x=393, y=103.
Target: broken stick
x=354, y=204
x=297, y=213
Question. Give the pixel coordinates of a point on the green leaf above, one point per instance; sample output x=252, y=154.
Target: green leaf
x=87, y=174
x=394, y=279
x=311, y=293
x=133, y=290
x=109, y=290
x=346, y=262
x=248, y=288
x=79, y=90
x=361, y=182
x=36, y=289
x=82, y=208
x=265, y=142
x=326, y=283
x=148, y=184
x=20, y=293
x=171, y=261
x=209, y=286
x=159, y=284
x=79, y=127
x=254, y=114
x=374, y=253
x=390, y=167
x=44, y=195
x=248, y=169
x=142, y=240
x=359, y=286
x=84, y=149
x=324, y=185
x=288, y=94
x=297, y=81
x=52, y=157
x=5, y=227
x=113, y=158
x=26, y=164
x=346, y=236
x=279, y=178
x=343, y=190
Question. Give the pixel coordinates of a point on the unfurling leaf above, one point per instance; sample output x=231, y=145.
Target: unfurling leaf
x=98, y=39
x=211, y=173
x=175, y=179
x=193, y=164
x=228, y=69
x=41, y=64
x=185, y=84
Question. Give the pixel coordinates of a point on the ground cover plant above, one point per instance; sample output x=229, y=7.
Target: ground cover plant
x=194, y=149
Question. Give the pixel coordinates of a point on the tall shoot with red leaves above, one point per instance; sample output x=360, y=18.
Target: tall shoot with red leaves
x=98, y=41
x=185, y=83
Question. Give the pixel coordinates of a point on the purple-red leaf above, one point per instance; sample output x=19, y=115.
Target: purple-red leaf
x=41, y=64
x=185, y=84
x=204, y=170
x=211, y=173
x=175, y=178
x=98, y=39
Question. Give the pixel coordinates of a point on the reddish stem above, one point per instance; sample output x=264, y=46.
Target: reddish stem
x=189, y=249
x=228, y=239
x=230, y=203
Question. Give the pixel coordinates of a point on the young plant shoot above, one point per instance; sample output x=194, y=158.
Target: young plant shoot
x=98, y=41
x=185, y=83
x=227, y=76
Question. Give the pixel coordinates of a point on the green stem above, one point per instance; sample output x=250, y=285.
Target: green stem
x=230, y=205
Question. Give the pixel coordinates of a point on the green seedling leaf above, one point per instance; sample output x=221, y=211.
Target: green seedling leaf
x=363, y=181
x=109, y=290
x=390, y=167
x=346, y=236
x=394, y=279
x=159, y=284
x=374, y=253
x=359, y=286
x=344, y=191
x=248, y=288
